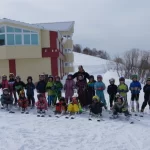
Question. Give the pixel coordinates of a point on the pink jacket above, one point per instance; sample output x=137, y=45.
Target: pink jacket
x=5, y=84
x=42, y=104
x=69, y=88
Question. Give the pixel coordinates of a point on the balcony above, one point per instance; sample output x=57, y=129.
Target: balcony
x=68, y=67
x=69, y=56
x=68, y=44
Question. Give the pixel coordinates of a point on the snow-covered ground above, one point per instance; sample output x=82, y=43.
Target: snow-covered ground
x=28, y=132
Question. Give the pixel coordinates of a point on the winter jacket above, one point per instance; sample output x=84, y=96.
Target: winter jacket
x=50, y=88
x=5, y=84
x=69, y=87
x=6, y=99
x=123, y=89
x=84, y=74
x=112, y=89
x=42, y=104
x=41, y=86
x=23, y=102
x=10, y=84
x=135, y=87
x=61, y=106
x=96, y=108
x=18, y=86
x=30, y=87
x=58, y=87
x=120, y=106
x=146, y=90
x=100, y=87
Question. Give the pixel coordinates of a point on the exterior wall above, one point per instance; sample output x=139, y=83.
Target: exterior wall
x=68, y=69
x=18, y=52
x=33, y=67
x=3, y=52
x=4, y=67
x=45, y=38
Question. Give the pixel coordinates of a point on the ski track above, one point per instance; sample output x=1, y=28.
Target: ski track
x=26, y=132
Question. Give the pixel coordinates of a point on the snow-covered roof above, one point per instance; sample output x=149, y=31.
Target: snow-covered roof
x=5, y=20
x=57, y=26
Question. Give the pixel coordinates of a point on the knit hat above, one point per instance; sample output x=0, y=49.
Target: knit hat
x=39, y=96
x=91, y=77
x=99, y=77
x=4, y=76
x=18, y=77
x=112, y=80
x=95, y=98
x=50, y=76
x=11, y=75
x=29, y=77
x=21, y=93
x=134, y=76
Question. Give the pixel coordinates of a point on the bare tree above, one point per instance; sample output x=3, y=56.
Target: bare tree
x=77, y=48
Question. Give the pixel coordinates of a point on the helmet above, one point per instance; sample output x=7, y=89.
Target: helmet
x=50, y=76
x=29, y=77
x=95, y=98
x=69, y=75
x=11, y=75
x=99, y=76
x=112, y=80
x=6, y=90
x=62, y=99
x=39, y=96
x=21, y=92
x=91, y=77
x=148, y=79
x=121, y=79
x=18, y=77
x=134, y=76
x=117, y=95
x=4, y=76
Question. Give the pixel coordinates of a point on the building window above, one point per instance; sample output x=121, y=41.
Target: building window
x=27, y=39
x=67, y=64
x=26, y=31
x=10, y=39
x=34, y=39
x=2, y=39
x=9, y=29
x=18, y=39
x=2, y=30
x=18, y=30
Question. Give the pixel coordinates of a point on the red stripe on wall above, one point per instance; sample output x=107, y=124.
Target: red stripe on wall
x=53, y=39
x=54, y=66
x=12, y=66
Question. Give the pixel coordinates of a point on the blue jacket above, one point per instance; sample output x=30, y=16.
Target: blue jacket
x=41, y=86
x=30, y=89
x=135, y=87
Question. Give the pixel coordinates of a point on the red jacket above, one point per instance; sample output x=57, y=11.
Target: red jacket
x=5, y=84
x=42, y=104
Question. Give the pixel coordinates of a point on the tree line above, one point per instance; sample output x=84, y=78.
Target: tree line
x=92, y=52
x=134, y=61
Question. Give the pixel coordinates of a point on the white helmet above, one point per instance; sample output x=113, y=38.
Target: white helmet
x=112, y=80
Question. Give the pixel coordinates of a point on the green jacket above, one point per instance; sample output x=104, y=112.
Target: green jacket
x=50, y=88
x=123, y=89
x=58, y=86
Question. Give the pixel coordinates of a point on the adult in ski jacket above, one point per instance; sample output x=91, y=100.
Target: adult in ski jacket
x=41, y=86
x=81, y=72
x=146, y=90
x=100, y=87
x=4, y=82
x=90, y=89
x=81, y=86
x=69, y=87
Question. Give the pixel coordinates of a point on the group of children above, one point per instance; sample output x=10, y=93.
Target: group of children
x=79, y=95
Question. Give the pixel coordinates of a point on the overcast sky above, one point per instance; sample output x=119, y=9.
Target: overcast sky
x=111, y=25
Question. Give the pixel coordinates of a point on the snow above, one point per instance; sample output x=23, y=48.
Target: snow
x=28, y=132
x=57, y=26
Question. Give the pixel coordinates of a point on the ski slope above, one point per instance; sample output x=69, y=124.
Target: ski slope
x=28, y=132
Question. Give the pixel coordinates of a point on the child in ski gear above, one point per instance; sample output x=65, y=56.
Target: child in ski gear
x=7, y=100
x=18, y=86
x=50, y=88
x=112, y=91
x=81, y=72
x=146, y=90
x=120, y=107
x=61, y=106
x=100, y=87
x=90, y=89
x=4, y=82
x=41, y=104
x=69, y=87
x=41, y=85
x=74, y=107
x=58, y=88
x=30, y=87
x=23, y=102
x=11, y=82
x=135, y=88
x=123, y=88
x=96, y=106
x=81, y=86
